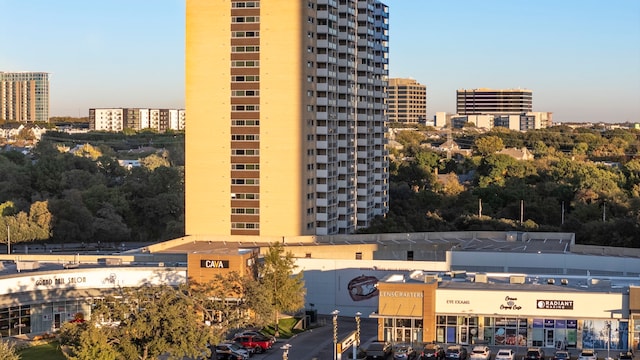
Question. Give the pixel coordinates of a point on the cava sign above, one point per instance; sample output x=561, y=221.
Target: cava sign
x=214, y=264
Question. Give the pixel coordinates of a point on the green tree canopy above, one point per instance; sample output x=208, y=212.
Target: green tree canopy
x=147, y=322
x=488, y=145
x=277, y=277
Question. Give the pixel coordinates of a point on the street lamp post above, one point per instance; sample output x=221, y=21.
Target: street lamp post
x=285, y=353
x=608, y=338
x=357, y=343
x=335, y=333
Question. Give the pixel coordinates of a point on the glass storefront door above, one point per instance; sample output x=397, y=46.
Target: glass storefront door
x=550, y=338
x=403, y=335
x=399, y=330
x=463, y=334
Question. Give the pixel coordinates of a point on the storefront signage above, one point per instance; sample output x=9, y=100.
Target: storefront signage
x=403, y=294
x=55, y=281
x=510, y=304
x=214, y=264
x=458, y=302
x=555, y=304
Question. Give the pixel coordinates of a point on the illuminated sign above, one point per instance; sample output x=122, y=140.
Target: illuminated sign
x=555, y=304
x=214, y=264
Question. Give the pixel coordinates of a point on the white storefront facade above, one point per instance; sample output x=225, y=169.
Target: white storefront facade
x=558, y=319
x=40, y=302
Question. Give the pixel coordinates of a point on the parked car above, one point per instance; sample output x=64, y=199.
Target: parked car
x=480, y=353
x=588, y=354
x=251, y=351
x=231, y=346
x=432, y=352
x=379, y=350
x=561, y=355
x=258, y=343
x=254, y=333
x=626, y=355
x=404, y=352
x=535, y=353
x=456, y=352
x=505, y=354
x=230, y=351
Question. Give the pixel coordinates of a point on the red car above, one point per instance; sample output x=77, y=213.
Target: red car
x=256, y=342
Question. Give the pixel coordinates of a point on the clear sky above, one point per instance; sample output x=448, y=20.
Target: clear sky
x=581, y=58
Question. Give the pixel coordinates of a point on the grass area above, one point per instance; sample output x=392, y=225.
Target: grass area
x=49, y=351
x=285, y=327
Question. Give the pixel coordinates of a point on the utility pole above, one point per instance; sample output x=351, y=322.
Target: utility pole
x=8, y=241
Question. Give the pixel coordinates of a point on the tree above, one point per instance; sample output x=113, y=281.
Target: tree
x=224, y=301
x=23, y=227
x=148, y=322
x=154, y=161
x=276, y=274
x=488, y=145
x=8, y=350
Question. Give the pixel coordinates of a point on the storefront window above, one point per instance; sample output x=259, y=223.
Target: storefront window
x=635, y=326
x=15, y=320
x=510, y=331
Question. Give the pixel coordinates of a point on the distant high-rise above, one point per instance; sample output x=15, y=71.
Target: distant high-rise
x=495, y=102
x=24, y=96
x=407, y=101
x=286, y=103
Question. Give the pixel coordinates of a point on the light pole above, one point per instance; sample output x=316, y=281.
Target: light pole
x=335, y=333
x=285, y=353
x=608, y=339
x=356, y=346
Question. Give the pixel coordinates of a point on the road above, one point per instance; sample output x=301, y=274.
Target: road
x=317, y=342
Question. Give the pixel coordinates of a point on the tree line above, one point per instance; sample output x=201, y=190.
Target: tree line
x=584, y=180
x=70, y=191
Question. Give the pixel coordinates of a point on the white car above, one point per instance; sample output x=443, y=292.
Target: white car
x=588, y=354
x=480, y=353
x=505, y=354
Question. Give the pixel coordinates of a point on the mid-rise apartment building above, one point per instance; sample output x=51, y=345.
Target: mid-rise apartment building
x=287, y=121
x=520, y=122
x=24, y=96
x=490, y=101
x=407, y=102
x=118, y=119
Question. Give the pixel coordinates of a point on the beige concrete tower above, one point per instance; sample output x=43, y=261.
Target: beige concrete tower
x=261, y=156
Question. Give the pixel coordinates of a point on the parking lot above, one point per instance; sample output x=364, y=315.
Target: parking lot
x=317, y=343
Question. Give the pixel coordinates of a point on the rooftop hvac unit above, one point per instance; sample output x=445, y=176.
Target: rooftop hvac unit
x=431, y=278
x=481, y=278
x=516, y=279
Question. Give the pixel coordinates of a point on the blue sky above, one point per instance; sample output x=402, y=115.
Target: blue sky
x=581, y=58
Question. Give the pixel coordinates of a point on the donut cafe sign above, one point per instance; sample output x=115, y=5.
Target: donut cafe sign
x=510, y=303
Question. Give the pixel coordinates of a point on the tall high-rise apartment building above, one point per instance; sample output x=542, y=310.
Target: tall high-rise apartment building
x=24, y=96
x=496, y=102
x=286, y=103
x=407, y=101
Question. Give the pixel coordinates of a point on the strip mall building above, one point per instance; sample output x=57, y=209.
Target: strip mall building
x=496, y=288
